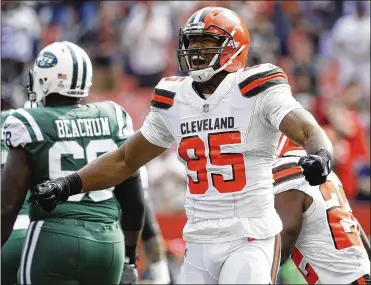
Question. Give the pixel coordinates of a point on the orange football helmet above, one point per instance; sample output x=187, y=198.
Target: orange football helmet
x=220, y=23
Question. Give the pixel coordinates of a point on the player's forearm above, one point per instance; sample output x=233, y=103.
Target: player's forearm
x=301, y=127
x=316, y=139
x=106, y=171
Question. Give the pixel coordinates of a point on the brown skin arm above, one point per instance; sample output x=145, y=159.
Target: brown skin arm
x=301, y=127
x=290, y=207
x=114, y=167
x=15, y=182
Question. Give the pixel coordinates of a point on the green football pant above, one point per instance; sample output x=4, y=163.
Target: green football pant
x=11, y=257
x=72, y=252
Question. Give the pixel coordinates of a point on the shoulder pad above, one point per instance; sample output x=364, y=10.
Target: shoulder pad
x=165, y=90
x=286, y=169
x=287, y=175
x=20, y=128
x=255, y=80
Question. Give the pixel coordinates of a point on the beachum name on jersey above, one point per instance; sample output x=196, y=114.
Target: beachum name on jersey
x=92, y=127
x=207, y=125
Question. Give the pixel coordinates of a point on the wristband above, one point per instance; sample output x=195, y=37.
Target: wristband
x=324, y=154
x=131, y=253
x=74, y=183
x=326, y=157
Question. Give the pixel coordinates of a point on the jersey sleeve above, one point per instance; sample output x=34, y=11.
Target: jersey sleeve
x=156, y=131
x=124, y=123
x=21, y=129
x=276, y=104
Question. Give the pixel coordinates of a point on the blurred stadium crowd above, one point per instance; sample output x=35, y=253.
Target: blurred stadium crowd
x=323, y=46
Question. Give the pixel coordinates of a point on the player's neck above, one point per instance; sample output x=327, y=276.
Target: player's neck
x=55, y=100
x=210, y=86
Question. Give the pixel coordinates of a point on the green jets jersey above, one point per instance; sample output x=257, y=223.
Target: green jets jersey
x=4, y=154
x=61, y=140
x=4, y=151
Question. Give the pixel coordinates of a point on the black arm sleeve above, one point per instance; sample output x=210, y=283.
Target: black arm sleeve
x=151, y=227
x=130, y=196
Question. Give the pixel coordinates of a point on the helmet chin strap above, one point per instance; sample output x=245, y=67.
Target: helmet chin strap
x=206, y=74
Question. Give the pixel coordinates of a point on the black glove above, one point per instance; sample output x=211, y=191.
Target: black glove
x=316, y=167
x=53, y=192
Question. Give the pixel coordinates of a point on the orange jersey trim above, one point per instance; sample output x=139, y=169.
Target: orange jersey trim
x=256, y=83
x=162, y=99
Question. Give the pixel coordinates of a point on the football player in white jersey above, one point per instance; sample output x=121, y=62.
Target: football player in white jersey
x=327, y=243
x=226, y=121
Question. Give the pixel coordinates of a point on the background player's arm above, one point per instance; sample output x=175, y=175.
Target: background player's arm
x=302, y=128
x=15, y=182
x=114, y=167
x=130, y=196
x=289, y=206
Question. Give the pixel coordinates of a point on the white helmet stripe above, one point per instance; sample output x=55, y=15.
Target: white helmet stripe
x=75, y=66
x=83, y=82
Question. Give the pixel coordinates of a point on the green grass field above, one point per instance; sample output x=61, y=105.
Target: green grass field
x=289, y=274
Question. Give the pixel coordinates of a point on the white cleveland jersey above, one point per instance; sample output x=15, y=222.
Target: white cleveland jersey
x=329, y=249
x=227, y=144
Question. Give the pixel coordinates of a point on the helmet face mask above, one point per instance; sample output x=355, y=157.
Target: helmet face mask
x=32, y=100
x=192, y=59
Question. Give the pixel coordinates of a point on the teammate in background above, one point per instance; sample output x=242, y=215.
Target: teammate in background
x=81, y=242
x=226, y=121
x=11, y=251
x=327, y=243
x=153, y=244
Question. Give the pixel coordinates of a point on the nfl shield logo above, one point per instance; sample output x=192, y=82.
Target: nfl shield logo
x=205, y=108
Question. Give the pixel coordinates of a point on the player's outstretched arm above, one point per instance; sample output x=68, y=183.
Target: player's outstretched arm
x=114, y=167
x=106, y=171
x=15, y=182
x=301, y=127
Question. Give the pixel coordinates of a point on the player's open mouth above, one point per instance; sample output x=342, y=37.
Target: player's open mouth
x=198, y=60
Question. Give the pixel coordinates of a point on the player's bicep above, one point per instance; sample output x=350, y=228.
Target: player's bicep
x=289, y=206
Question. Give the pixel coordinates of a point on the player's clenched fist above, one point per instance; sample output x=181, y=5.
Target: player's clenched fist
x=316, y=167
x=50, y=193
